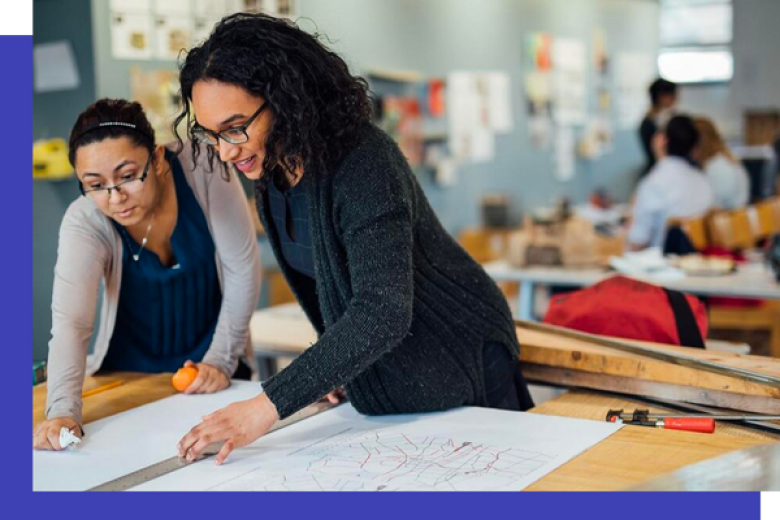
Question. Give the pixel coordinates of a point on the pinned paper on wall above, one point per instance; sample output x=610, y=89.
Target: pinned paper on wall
x=206, y=13
x=538, y=92
x=142, y=30
x=483, y=145
x=172, y=35
x=499, y=103
x=569, y=83
x=479, y=106
x=564, y=158
x=598, y=136
x=538, y=52
x=280, y=8
x=202, y=25
x=173, y=7
x=463, y=113
x=447, y=172
x=131, y=6
x=599, y=52
x=286, y=8
x=634, y=71
x=538, y=88
x=131, y=36
x=597, y=139
x=55, y=67
x=216, y=7
x=445, y=168
x=209, y=8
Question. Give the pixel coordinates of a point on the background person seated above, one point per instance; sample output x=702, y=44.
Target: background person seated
x=728, y=178
x=674, y=188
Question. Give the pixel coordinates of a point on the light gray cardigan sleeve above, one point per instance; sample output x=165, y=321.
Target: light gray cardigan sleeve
x=236, y=242
x=83, y=255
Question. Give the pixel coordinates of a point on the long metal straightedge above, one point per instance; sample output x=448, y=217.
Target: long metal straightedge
x=143, y=475
x=675, y=359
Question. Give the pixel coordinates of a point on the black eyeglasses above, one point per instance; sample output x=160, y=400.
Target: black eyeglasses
x=131, y=185
x=234, y=135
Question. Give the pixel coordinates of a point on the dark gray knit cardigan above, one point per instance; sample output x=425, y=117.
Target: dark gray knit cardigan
x=401, y=310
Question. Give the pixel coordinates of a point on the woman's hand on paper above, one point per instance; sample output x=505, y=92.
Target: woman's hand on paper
x=210, y=379
x=46, y=435
x=236, y=425
x=336, y=396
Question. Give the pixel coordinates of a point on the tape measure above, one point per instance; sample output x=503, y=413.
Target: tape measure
x=143, y=475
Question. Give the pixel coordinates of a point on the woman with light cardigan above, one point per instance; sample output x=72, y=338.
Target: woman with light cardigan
x=172, y=243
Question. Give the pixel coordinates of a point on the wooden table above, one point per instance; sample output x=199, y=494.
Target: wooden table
x=627, y=458
x=135, y=390
x=753, y=281
x=634, y=454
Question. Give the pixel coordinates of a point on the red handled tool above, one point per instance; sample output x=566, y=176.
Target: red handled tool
x=645, y=418
x=691, y=423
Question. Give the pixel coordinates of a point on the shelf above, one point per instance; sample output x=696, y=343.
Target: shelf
x=399, y=76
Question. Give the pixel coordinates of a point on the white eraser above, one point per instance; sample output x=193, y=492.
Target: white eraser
x=67, y=438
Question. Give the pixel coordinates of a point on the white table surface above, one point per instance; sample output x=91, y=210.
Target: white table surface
x=752, y=281
x=281, y=330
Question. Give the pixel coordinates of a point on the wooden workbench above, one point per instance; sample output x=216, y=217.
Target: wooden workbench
x=627, y=458
x=136, y=390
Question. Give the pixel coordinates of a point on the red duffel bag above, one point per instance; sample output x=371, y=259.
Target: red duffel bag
x=627, y=308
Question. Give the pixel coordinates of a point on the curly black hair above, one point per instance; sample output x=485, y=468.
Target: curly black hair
x=318, y=106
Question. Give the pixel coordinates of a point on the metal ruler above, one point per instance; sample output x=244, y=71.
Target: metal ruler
x=756, y=422
x=143, y=475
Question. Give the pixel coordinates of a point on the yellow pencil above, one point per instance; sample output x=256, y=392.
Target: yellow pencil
x=107, y=386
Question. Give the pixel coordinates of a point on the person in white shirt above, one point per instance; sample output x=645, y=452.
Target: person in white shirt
x=728, y=178
x=674, y=188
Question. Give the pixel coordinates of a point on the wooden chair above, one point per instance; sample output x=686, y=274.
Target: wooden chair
x=484, y=245
x=765, y=318
x=765, y=218
x=743, y=229
x=695, y=228
x=487, y=245
x=731, y=229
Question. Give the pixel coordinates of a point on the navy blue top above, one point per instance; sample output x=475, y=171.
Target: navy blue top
x=290, y=214
x=167, y=315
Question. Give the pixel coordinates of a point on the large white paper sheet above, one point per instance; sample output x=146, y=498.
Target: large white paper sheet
x=459, y=450
x=467, y=449
x=123, y=443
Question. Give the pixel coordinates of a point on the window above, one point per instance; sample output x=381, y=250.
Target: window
x=696, y=41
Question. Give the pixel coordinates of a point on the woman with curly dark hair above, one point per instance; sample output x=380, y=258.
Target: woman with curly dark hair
x=407, y=321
